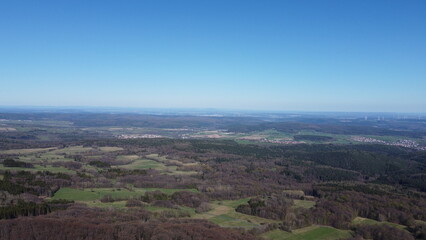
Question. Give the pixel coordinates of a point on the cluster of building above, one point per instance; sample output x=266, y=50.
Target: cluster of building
x=402, y=143
x=367, y=140
x=409, y=144
x=279, y=141
x=133, y=136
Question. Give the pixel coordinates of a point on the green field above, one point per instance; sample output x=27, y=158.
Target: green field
x=303, y=203
x=39, y=168
x=128, y=157
x=92, y=194
x=180, y=209
x=26, y=151
x=72, y=150
x=110, y=149
x=42, y=159
x=170, y=169
x=367, y=221
x=144, y=164
x=420, y=222
x=308, y=233
x=277, y=235
x=153, y=161
x=233, y=203
x=48, y=155
x=223, y=213
x=92, y=198
x=157, y=157
x=45, y=157
x=274, y=134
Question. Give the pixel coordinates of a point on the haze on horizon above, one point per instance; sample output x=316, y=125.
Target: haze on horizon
x=258, y=55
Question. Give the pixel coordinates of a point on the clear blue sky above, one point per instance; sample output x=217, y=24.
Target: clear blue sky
x=316, y=55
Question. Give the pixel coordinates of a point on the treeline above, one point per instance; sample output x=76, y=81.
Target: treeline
x=22, y=208
x=390, y=207
x=382, y=232
x=38, y=183
x=15, y=163
x=338, y=209
x=275, y=207
x=395, y=165
x=332, y=174
x=300, y=163
x=83, y=223
x=198, y=201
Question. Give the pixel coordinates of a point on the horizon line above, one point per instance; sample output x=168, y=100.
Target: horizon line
x=76, y=107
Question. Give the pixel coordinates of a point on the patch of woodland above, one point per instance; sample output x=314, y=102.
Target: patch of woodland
x=79, y=222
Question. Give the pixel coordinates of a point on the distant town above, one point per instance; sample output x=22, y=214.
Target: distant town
x=402, y=143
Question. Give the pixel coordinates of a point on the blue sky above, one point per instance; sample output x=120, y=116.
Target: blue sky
x=267, y=55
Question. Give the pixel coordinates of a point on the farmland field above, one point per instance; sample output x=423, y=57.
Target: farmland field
x=118, y=193
x=304, y=203
x=224, y=214
x=367, y=221
x=26, y=151
x=39, y=168
x=308, y=233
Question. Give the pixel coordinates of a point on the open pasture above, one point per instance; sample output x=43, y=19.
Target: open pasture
x=223, y=213
x=26, y=151
x=160, y=163
x=144, y=164
x=39, y=168
x=368, y=221
x=93, y=194
x=308, y=233
x=303, y=203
